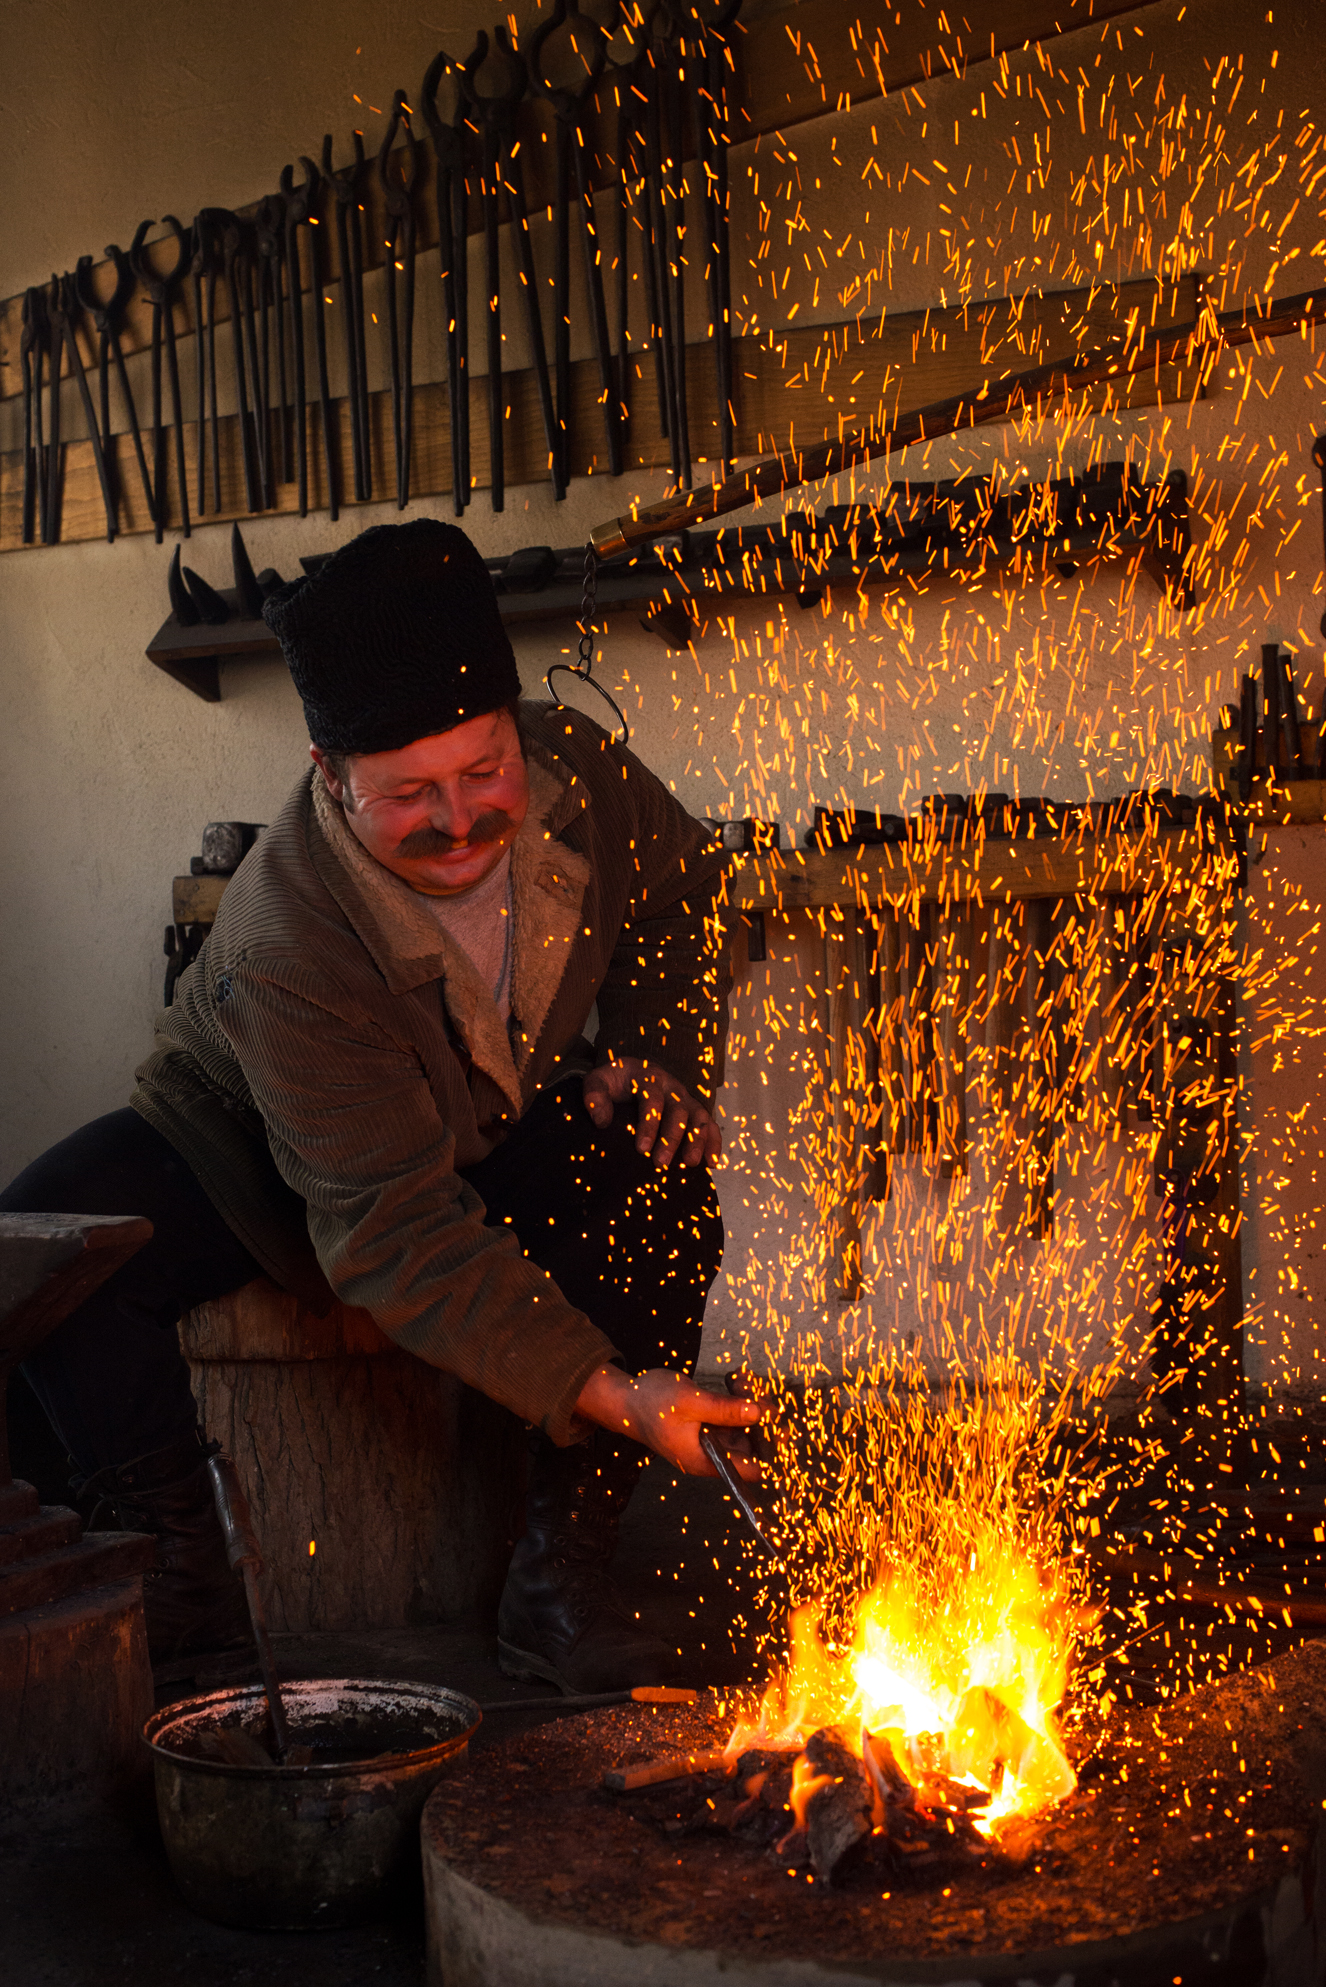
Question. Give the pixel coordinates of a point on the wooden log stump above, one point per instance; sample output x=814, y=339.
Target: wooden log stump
x=385, y=1493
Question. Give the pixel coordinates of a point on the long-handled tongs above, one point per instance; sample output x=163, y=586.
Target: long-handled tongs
x=738, y=1386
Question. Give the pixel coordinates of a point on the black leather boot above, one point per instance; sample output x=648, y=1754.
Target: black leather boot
x=561, y=1619
x=193, y=1603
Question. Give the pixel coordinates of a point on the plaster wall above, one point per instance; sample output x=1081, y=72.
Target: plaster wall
x=980, y=185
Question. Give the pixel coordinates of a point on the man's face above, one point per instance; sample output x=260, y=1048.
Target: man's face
x=439, y=812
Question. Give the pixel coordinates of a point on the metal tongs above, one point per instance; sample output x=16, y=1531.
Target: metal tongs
x=738, y=1385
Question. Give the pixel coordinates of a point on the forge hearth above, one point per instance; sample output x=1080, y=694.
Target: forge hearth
x=1188, y=1852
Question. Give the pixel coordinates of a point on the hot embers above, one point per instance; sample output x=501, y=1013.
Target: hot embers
x=1179, y=1811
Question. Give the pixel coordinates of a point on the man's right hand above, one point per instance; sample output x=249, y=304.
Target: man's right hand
x=666, y=1412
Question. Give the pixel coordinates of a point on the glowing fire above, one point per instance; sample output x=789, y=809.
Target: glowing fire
x=964, y=1692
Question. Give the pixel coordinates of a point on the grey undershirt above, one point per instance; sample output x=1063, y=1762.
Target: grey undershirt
x=480, y=922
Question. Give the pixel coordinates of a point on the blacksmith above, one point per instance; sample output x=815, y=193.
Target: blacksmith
x=375, y=1082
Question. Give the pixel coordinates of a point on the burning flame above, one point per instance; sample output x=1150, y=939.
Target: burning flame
x=965, y=1692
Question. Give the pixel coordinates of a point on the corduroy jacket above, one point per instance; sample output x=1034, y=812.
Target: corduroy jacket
x=332, y=1057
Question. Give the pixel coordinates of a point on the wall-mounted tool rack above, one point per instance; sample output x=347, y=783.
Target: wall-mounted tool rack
x=1269, y=756
x=780, y=73
x=963, y=533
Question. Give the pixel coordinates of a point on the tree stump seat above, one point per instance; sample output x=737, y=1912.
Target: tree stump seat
x=383, y=1491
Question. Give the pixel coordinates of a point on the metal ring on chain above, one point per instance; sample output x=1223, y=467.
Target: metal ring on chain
x=583, y=667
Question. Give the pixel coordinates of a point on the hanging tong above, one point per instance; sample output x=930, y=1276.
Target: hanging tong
x=227, y=230
x=331, y=452
x=248, y=275
x=673, y=79
x=198, y=260
x=709, y=29
x=345, y=185
x=206, y=264
x=623, y=77
x=32, y=349
x=298, y=214
x=398, y=196
x=588, y=45
x=269, y=239
x=160, y=288
x=64, y=318
x=448, y=138
x=106, y=318
x=494, y=112
x=53, y=480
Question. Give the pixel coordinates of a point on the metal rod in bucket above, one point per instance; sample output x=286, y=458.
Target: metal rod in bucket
x=245, y=1558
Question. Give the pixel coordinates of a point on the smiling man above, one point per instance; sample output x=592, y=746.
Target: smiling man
x=375, y=1081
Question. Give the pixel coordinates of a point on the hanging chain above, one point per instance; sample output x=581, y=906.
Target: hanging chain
x=583, y=667
x=589, y=599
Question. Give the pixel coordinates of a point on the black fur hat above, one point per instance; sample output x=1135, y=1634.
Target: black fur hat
x=397, y=637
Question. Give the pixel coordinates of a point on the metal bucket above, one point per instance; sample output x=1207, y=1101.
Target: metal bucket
x=297, y=1848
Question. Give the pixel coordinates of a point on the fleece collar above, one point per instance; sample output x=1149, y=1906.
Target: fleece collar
x=410, y=948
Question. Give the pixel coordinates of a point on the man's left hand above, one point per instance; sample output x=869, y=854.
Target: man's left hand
x=670, y=1118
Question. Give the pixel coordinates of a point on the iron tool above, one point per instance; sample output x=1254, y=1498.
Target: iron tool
x=160, y=289
x=107, y=318
x=398, y=196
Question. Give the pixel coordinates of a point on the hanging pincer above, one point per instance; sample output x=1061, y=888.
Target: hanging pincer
x=346, y=185
x=298, y=214
x=107, y=317
x=448, y=136
x=65, y=316
x=331, y=451
x=398, y=196
x=580, y=61
x=31, y=348
x=160, y=289
x=269, y=234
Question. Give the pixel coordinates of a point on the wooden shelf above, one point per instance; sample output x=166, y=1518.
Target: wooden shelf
x=909, y=873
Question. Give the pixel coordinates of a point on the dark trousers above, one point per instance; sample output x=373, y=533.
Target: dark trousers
x=633, y=1246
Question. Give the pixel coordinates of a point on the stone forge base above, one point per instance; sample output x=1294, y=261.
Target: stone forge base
x=1192, y=1852
x=478, y=1940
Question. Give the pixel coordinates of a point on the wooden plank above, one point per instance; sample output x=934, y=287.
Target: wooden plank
x=907, y=874
x=801, y=383
x=801, y=61
x=801, y=386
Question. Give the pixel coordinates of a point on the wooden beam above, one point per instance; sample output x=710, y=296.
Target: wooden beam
x=1000, y=395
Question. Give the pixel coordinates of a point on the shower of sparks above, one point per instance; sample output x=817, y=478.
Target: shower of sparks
x=983, y=1147
x=990, y=1159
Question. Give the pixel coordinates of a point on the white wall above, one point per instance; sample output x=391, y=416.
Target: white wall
x=109, y=769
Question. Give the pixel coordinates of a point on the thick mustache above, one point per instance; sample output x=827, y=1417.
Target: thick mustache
x=430, y=841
